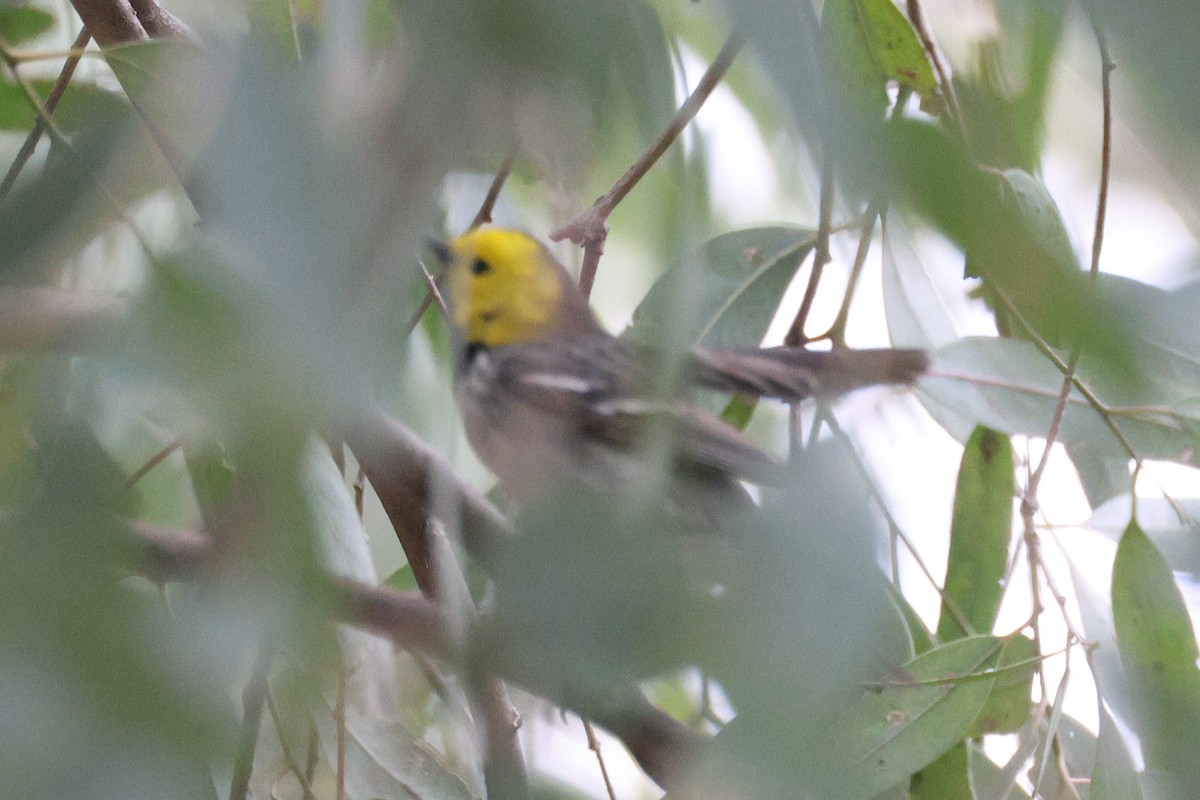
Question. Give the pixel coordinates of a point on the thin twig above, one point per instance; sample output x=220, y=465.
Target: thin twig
x=1046, y=350
x=153, y=462
x=434, y=292
x=917, y=17
x=1106, y=68
x=39, y=126
x=253, y=697
x=795, y=336
x=288, y=756
x=875, y=210
x=339, y=718
x=47, y=120
x=837, y=331
x=590, y=229
x=594, y=745
x=483, y=215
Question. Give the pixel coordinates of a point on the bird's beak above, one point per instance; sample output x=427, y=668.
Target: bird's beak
x=440, y=249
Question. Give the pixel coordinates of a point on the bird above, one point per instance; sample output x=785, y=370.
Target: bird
x=549, y=397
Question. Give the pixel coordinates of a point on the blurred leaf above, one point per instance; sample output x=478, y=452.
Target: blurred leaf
x=786, y=35
x=19, y=23
x=916, y=315
x=57, y=204
x=155, y=74
x=1043, y=772
x=848, y=37
x=1158, y=649
x=1011, y=233
x=1007, y=123
x=1095, y=613
x=1113, y=776
x=922, y=639
x=922, y=712
x=729, y=296
x=384, y=761
x=594, y=586
x=985, y=775
x=1150, y=47
x=945, y=779
x=1009, y=386
x=1009, y=705
x=979, y=535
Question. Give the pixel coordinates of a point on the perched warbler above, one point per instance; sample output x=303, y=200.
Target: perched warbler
x=547, y=395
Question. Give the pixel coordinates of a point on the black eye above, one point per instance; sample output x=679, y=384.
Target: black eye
x=480, y=267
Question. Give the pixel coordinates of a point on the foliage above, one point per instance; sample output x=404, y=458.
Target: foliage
x=224, y=401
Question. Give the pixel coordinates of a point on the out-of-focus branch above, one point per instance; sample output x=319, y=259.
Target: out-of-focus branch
x=590, y=229
x=160, y=23
x=110, y=21
x=662, y=746
x=56, y=319
x=39, y=125
x=403, y=469
x=119, y=21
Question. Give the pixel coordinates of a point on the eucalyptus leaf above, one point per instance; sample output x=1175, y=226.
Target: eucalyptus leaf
x=1158, y=649
x=980, y=531
x=893, y=732
x=728, y=296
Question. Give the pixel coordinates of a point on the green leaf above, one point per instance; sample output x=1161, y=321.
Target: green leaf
x=729, y=296
x=19, y=23
x=916, y=313
x=1008, y=706
x=922, y=639
x=892, y=733
x=1158, y=649
x=1011, y=387
x=980, y=530
x=1006, y=122
x=948, y=778
x=1114, y=776
x=739, y=410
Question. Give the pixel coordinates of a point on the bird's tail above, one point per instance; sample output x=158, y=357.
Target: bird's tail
x=792, y=373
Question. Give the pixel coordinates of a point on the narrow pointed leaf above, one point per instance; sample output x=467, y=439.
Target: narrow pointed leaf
x=980, y=530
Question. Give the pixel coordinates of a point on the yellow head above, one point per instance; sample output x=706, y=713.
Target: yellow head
x=505, y=288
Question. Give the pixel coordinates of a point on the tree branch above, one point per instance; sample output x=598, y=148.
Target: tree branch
x=39, y=125
x=56, y=319
x=661, y=745
x=590, y=229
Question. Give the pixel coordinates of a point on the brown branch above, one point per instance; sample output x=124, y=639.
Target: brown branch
x=253, y=697
x=1106, y=68
x=39, y=126
x=484, y=214
x=153, y=462
x=795, y=336
x=110, y=21
x=662, y=746
x=160, y=23
x=590, y=229
x=57, y=319
x=917, y=17
x=403, y=469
